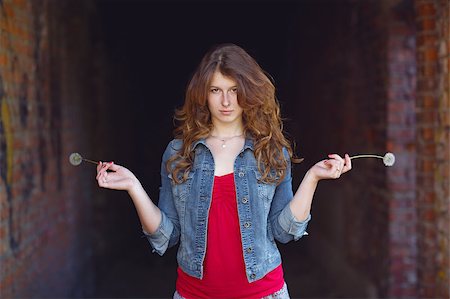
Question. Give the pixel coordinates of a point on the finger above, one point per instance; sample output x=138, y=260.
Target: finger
x=99, y=173
x=339, y=159
x=103, y=183
x=113, y=167
x=99, y=166
x=335, y=164
x=334, y=171
x=110, y=166
x=113, y=177
x=104, y=178
x=103, y=169
x=336, y=157
x=348, y=163
x=105, y=166
x=100, y=181
x=333, y=167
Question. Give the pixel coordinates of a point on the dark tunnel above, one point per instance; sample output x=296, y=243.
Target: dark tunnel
x=154, y=47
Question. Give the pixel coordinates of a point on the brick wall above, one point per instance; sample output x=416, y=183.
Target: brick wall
x=45, y=204
x=433, y=140
x=401, y=130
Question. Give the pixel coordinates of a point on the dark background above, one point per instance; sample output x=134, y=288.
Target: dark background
x=155, y=47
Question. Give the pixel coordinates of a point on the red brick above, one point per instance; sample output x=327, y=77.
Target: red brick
x=8, y=11
x=427, y=134
x=427, y=101
x=429, y=54
x=428, y=70
x=3, y=60
x=427, y=24
x=426, y=9
x=427, y=40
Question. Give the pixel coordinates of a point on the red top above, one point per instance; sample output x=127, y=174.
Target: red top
x=224, y=269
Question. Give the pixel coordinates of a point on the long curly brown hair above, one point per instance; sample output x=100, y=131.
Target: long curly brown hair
x=261, y=113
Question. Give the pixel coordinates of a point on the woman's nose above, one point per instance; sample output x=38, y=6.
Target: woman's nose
x=225, y=100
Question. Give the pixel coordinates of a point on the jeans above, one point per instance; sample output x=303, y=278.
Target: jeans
x=281, y=294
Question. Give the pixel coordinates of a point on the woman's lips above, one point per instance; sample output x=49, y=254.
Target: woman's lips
x=226, y=112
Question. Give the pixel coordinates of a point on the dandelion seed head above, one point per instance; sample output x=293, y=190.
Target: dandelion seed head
x=389, y=159
x=75, y=159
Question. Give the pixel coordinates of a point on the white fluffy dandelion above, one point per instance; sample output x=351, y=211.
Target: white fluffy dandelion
x=75, y=159
x=388, y=158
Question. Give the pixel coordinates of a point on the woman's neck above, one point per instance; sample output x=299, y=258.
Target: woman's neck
x=228, y=131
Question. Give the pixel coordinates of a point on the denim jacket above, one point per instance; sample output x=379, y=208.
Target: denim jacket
x=263, y=209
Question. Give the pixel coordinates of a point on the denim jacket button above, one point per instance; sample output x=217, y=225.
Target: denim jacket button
x=252, y=276
x=241, y=174
x=244, y=200
x=247, y=224
x=249, y=250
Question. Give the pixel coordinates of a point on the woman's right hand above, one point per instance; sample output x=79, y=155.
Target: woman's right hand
x=112, y=176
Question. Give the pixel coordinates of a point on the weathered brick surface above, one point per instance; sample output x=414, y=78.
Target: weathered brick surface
x=44, y=202
x=432, y=141
x=401, y=130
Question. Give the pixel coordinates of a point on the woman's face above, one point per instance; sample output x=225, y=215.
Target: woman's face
x=222, y=100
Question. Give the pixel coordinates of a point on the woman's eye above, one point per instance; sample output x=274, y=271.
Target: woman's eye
x=234, y=90
x=214, y=90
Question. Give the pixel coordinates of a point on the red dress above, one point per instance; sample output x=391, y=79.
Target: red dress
x=224, y=269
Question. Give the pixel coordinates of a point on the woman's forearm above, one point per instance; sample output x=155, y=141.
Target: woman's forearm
x=331, y=168
x=301, y=203
x=149, y=214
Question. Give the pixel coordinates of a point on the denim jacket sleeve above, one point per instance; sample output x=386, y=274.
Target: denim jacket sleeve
x=285, y=227
x=168, y=232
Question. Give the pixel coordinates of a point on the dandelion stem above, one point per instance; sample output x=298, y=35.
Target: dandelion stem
x=366, y=156
x=90, y=161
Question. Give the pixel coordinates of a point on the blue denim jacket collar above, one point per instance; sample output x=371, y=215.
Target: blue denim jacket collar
x=247, y=145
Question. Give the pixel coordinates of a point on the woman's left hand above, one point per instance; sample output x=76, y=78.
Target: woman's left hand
x=331, y=168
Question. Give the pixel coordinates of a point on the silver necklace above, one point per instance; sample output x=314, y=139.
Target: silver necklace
x=224, y=140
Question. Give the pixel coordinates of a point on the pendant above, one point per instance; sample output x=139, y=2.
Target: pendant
x=224, y=145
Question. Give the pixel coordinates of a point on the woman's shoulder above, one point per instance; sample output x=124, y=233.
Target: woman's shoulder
x=172, y=148
x=175, y=144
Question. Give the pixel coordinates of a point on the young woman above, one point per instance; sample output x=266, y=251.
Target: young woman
x=226, y=191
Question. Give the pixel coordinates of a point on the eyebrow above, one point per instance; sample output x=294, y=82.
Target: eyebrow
x=211, y=86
